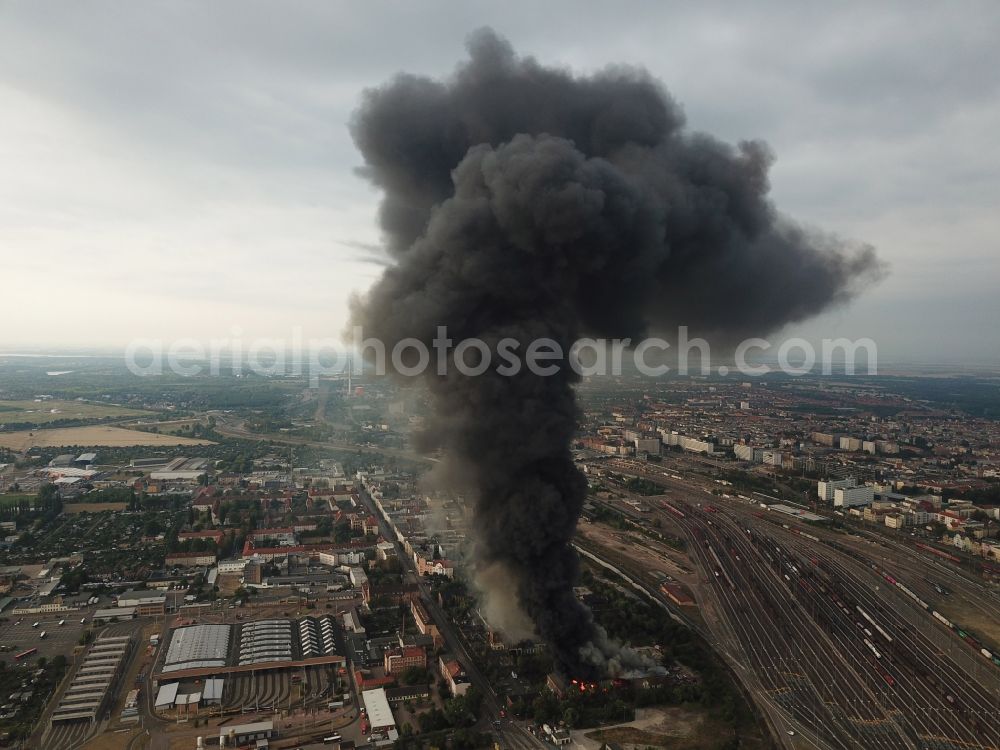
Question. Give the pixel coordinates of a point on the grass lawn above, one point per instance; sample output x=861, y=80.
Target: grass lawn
x=15, y=498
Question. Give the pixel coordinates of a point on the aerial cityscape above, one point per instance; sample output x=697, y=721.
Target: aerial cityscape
x=495, y=388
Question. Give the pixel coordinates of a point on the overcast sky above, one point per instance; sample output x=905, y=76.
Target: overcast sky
x=177, y=169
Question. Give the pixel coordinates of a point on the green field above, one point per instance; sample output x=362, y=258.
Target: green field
x=52, y=410
x=7, y=500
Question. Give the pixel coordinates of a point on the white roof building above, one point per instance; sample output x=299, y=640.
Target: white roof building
x=119, y=613
x=232, y=566
x=167, y=694
x=242, y=733
x=213, y=690
x=135, y=598
x=379, y=713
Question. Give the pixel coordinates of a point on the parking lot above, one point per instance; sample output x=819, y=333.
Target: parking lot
x=17, y=634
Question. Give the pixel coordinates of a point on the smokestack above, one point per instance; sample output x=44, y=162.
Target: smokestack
x=524, y=202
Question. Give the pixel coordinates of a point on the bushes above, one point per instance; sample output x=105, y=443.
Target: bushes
x=642, y=486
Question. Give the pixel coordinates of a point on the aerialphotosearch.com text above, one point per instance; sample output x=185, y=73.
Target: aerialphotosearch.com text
x=315, y=358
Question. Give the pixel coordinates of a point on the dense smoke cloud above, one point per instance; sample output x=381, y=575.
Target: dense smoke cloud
x=523, y=202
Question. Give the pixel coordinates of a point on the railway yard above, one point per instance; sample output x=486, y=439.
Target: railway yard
x=838, y=635
x=64, y=735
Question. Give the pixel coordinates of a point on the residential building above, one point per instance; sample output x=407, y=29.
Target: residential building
x=846, y=497
x=825, y=488
x=189, y=559
x=146, y=603
x=398, y=660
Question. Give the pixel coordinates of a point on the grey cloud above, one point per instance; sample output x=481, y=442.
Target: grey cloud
x=884, y=118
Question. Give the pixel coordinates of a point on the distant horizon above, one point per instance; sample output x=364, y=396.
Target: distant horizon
x=885, y=363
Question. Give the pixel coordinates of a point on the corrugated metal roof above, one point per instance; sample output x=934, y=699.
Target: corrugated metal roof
x=107, y=614
x=213, y=688
x=198, y=645
x=167, y=694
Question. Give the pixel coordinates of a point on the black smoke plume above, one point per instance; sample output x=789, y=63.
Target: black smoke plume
x=522, y=201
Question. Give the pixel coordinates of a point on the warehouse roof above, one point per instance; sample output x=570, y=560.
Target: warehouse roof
x=197, y=645
x=377, y=705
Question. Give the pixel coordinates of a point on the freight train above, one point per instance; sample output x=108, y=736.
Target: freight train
x=969, y=639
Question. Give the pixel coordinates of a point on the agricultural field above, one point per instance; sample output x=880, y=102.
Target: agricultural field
x=94, y=436
x=46, y=411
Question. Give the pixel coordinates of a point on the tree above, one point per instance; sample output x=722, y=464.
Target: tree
x=47, y=493
x=342, y=533
x=414, y=676
x=456, y=710
x=545, y=708
x=74, y=579
x=433, y=720
x=533, y=667
x=474, y=700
